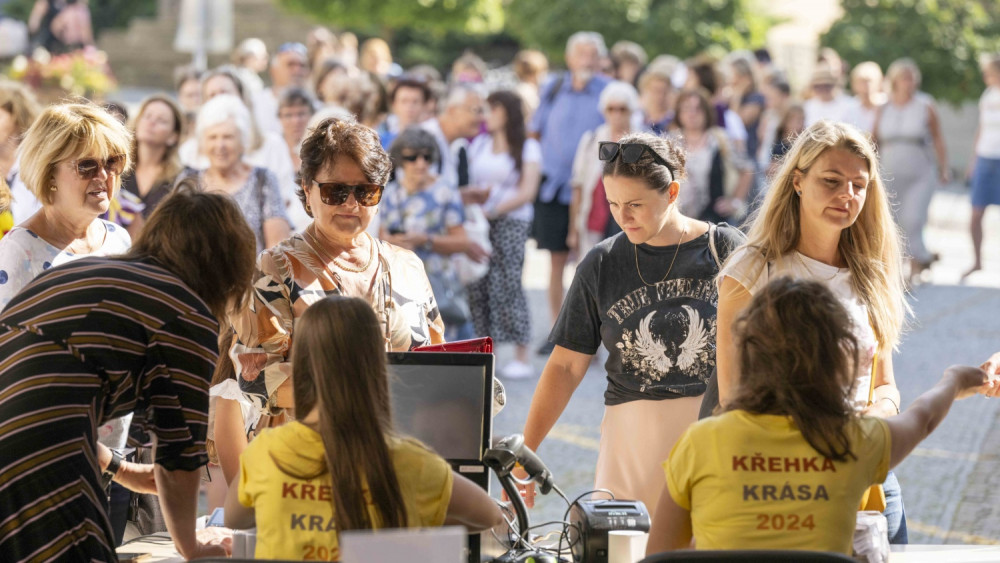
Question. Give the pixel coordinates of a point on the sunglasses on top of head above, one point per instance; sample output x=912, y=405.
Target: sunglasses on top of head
x=89, y=168
x=335, y=193
x=630, y=153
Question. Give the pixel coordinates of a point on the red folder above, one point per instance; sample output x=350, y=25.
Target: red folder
x=476, y=345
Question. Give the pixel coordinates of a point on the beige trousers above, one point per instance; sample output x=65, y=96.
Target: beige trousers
x=636, y=438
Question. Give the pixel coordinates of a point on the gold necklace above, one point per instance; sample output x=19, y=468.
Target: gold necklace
x=810, y=270
x=368, y=264
x=671, y=267
x=335, y=262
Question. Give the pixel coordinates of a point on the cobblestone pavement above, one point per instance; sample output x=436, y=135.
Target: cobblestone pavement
x=949, y=483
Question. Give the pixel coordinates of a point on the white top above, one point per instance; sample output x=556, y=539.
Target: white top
x=24, y=203
x=746, y=267
x=488, y=168
x=860, y=116
x=230, y=389
x=24, y=255
x=989, y=124
x=834, y=110
x=265, y=111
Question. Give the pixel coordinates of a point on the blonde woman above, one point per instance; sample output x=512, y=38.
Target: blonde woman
x=908, y=132
x=158, y=131
x=827, y=218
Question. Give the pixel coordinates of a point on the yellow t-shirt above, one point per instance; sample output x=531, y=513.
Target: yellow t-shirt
x=753, y=482
x=295, y=517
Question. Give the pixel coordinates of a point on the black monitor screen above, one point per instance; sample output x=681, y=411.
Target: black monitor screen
x=444, y=400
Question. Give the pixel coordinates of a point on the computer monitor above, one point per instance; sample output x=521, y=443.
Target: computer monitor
x=445, y=400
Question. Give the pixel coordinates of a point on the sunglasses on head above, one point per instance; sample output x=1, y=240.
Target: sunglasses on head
x=630, y=153
x=335, y=193
x=413, y=157
x=89, y=168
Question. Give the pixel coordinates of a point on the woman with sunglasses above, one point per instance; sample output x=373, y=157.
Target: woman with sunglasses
x=589, y=215
x=423, y=213
x=344, y=171
x=648, y=295
x=72, y=159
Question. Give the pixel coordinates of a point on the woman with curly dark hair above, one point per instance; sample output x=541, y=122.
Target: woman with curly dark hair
x=790, y=436
x=509, y=164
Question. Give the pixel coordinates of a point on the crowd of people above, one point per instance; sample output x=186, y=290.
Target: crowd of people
x=738, y=253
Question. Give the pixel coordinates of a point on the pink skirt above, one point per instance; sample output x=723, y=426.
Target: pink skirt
x=636, y=438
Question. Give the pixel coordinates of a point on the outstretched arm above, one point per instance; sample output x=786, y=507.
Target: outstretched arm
x=923, y=416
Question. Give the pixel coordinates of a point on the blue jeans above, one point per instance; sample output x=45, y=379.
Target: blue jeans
x=894, y=513
x=464, y=331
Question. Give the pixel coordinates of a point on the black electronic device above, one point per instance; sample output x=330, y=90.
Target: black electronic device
x=445, y=400
x=591, y=520
x=527, y=556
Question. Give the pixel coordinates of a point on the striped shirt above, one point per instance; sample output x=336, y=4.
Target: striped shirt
x=83, y=343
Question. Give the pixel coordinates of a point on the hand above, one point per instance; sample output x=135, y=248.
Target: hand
x=527, y=491
x=204, y=550
x=137, y=477
x=473, y=195
x=992, y=365
x=573, y=239
x=477, y=253
x=968, y=380
x=944, y=176
x=728, y=206
x=409, y=241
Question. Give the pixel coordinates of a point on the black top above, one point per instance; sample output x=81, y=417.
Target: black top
x=660, y=338
x=153, y=197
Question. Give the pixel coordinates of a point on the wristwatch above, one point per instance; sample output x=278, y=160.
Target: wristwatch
x=112, y=469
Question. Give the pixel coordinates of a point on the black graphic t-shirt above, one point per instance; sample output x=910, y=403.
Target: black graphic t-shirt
x=660, y=338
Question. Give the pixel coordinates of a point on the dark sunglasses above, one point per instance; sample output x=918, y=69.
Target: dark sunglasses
x=413, y=157
x=335, y=193
x=630, y=153
x=89, y=168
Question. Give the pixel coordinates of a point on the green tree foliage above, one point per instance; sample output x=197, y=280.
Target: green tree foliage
x=385, y=17
x=677, y=27
x=944, y=37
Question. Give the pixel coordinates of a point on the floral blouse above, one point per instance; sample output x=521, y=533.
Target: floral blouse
x=292, y=276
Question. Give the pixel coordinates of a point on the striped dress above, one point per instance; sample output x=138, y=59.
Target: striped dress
x=83, y=343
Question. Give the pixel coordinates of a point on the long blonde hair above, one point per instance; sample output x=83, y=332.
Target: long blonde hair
x=870, y=246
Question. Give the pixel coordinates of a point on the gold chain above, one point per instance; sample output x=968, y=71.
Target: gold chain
x=676, y=251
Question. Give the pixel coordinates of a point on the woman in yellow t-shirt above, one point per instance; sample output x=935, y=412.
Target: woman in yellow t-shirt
x=339, y=465
x=786, y=463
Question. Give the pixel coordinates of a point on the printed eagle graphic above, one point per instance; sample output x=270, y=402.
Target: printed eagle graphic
x=655, y=352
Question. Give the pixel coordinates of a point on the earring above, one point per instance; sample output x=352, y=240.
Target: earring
x=52, y=188
x=309, y=209
x=798, y=194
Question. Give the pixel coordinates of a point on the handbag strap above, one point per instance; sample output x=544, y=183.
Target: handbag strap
x=711, y=245
x=871, y=384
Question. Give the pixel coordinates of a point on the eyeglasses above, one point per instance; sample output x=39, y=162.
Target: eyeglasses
x=630, y=153
x=335, y=193
x=616, y=109
x=89, y=168
x=413, y=157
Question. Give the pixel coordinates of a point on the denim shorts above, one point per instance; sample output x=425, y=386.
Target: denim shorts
x=986, y=182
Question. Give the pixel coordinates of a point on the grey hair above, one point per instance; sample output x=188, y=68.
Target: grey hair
x=899, y=66
x=226, y=108
x=618, y=91
x=458, y=93
x=592, y=37
x=414, y=138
